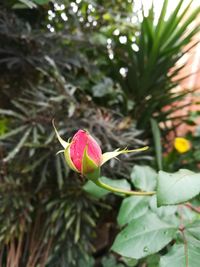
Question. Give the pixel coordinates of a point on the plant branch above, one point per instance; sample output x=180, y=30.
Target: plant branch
x=196, y=209
x=126, y=192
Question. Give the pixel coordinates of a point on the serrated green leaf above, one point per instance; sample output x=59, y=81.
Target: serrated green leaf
x=177, y=256
x=166, y=213
x=178, y=187
x=194, y=229
x=132, y=208
x=143, y=236
x=188, y=215
x=144, y=177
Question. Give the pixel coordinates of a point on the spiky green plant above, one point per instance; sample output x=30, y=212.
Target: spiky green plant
x=151, y=62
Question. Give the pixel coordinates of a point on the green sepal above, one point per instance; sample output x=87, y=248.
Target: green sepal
x=68, y=159
x=89, y=167
x=94, y=176
x=63, y=143
x=109, y=155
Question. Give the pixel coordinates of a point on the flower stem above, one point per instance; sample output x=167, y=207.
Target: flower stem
x=126, y=192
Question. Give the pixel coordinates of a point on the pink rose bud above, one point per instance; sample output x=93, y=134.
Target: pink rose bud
x=83, y=153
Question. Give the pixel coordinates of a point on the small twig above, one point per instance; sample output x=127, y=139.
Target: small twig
x=196, y=209
x=185, y=249
x=182, y=229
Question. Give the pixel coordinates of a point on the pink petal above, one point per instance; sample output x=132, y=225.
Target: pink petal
x=80, y=140
x=94, y=150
